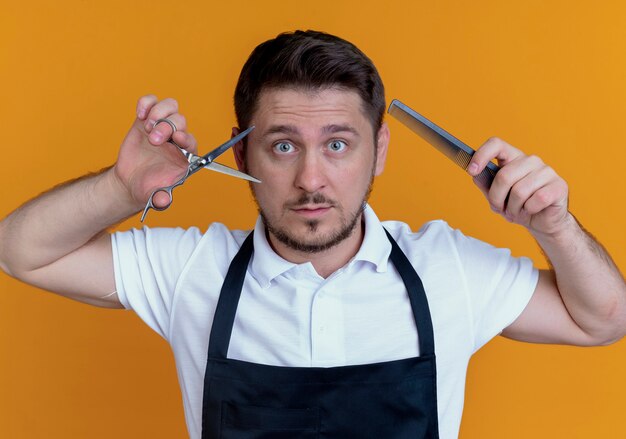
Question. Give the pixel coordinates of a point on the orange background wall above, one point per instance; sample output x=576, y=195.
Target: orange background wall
x=549, y=77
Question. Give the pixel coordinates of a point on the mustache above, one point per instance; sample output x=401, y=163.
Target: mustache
x=307, y=199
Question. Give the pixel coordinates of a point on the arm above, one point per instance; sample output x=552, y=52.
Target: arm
x=58, y=241
x=582, y=299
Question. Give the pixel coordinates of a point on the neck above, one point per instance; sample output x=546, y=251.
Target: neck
x=325, y=262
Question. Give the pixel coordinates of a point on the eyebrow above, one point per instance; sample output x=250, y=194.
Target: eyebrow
x=293, y=130
x=332, y=129
x=281, y=129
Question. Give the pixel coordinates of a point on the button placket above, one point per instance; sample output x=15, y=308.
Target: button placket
x=327, y=328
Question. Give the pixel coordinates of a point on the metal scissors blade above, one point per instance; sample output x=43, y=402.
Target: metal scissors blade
x=225, y=146
x=453, y=148
x=195, y=164
x=199, y=162
x=214, y=166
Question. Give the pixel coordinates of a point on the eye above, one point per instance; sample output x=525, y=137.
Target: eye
x=337, y=145
x=283, y=147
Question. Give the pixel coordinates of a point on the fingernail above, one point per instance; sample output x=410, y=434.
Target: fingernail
x=473, y=167
x=149, y=125
x=156, y=136
x=141, y=113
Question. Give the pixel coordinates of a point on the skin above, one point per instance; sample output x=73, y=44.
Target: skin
x=314, y=151
x=582, y=299
x=58, y=241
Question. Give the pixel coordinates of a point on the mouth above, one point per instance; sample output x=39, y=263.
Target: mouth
x=311, y=211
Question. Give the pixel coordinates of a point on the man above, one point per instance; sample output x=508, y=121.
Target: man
x=321, y=321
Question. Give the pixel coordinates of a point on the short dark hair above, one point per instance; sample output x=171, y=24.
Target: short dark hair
x=311, y=60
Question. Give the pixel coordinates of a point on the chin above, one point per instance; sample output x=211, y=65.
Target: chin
x=312, y=240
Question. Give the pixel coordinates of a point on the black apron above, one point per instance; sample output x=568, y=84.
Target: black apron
x=393, y=399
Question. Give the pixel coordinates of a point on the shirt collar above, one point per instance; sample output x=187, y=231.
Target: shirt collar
x=376, y=247
x=267, y=264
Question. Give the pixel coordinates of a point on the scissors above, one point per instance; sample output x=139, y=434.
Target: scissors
x=195, y=164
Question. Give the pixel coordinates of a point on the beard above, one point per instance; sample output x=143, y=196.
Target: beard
x=347, y=225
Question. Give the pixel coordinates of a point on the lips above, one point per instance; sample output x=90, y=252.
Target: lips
x=312, y=207
x=311, y=211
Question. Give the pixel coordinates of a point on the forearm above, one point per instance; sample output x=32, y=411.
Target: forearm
x=62, y=220
x=590, y=284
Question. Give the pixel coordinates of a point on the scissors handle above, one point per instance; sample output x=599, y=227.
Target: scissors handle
x=167, y=190
x=195, y=163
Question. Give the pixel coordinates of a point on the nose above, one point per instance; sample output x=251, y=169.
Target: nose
x=311, y=174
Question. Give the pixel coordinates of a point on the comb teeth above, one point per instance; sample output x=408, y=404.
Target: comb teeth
x=485, y=178
x=462, y=159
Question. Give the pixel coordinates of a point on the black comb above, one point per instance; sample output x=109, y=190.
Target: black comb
x=453, y=148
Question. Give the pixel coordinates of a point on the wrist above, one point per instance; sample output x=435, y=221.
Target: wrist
x=117, y=197
x=562, y=234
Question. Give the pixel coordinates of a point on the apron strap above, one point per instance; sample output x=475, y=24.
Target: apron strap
x=229, y=299
x=417, y=297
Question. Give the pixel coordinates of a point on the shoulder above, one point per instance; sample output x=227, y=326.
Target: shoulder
x=435, y=233
x=177, y=242
x=437, y=239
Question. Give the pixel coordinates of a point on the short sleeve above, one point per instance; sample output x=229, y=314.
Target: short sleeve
x=499, y=285
x=148, y=264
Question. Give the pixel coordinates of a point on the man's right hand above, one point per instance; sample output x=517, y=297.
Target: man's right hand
x=59, y=242
x=146, y=160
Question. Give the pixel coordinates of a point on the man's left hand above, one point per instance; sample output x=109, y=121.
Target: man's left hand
x=525, y=191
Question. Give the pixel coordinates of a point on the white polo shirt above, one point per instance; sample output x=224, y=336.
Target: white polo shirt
x=290, y=316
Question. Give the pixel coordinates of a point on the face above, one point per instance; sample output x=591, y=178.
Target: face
x=315, y=153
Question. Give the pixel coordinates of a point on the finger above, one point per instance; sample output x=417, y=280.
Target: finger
x=160, y=110
x=554, y=193
x=509, y=175
x=162, y=132
x=161, y=199
x=480, y=185
x=523, y=190
x=144, y=104
x=494, y=148
x=186, y=141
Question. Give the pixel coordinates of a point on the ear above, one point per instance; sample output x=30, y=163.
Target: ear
x=381, y=152
x=238, y=151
